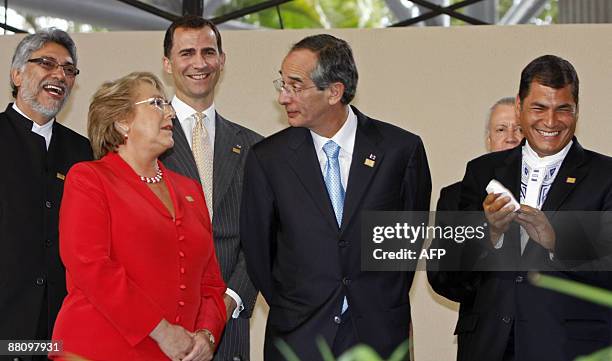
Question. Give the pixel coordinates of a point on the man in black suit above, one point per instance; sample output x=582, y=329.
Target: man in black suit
x=36, y=152
x=502, y=316
x=304, y=190
x=502, y=131
x=193, y=55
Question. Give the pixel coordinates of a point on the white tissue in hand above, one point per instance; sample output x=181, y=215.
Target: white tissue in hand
x=496, y=187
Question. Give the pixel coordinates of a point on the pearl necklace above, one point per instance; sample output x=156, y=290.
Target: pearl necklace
x=159, y=175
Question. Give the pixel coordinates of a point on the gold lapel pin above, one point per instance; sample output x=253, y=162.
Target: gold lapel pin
x=570, y=180
x=370, y=160
x=237, y=148
x=59, y=175
x=189, y=198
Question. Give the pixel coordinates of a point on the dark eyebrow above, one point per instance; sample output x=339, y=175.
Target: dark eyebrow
x=565, y=105
x=539, y=105
x=186, y=50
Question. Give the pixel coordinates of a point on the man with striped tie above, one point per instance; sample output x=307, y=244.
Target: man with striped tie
x=211, y=150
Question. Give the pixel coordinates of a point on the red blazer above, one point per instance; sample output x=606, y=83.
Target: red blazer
x=129, y=264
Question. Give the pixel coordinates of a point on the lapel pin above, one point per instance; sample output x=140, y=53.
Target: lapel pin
x=370, y=160
x=237, y=148
x=59, y=175
x=570, y=180
x=189, y=198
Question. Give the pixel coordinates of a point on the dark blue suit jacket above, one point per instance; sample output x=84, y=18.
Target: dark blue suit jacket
x=302, y=262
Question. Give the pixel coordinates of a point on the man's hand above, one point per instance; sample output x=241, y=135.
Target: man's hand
x=230, y=305
x=499, y=213
x=537, y=226
x=174, y=341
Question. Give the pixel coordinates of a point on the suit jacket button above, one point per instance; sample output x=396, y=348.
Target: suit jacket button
x=40, y=281
x=337, y=319
x=48, y=204
x=346, y=281
x=519, y=279
x=342, y=243
x=507, y=319
x=48, y=243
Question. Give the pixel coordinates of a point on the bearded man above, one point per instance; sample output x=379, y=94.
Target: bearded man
x=36, y=153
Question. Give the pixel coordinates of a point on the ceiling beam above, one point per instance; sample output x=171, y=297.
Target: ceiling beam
x=433, y=13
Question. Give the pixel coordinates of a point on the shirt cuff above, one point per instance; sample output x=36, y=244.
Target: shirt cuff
x=239, y=304
x=500, y=242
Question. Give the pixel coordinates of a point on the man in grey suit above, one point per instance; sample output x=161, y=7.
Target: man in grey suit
x=208, y=146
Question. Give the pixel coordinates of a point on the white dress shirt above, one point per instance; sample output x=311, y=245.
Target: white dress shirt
x=45, y=131
x=345, y=138
x=184, y=114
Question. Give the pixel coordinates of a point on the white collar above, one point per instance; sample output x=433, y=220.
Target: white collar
x=35, y=125
x=535, y=161
x=344, y=137
x=184, y=110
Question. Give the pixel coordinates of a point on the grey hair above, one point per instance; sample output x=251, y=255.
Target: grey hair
x=33, y=42
x=502, y=101
x=335, y=63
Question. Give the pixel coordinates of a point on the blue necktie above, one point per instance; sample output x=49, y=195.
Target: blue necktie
x=333, y=183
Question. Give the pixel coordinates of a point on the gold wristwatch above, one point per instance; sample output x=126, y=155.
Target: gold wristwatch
x=211, y=338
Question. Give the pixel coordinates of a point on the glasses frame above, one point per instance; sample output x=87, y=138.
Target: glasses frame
x=51, y=64
x=280, y=86
x=163, y=103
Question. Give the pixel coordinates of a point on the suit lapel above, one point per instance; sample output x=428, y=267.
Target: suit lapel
x=570, y=174
x=226, y=158
x=181, y=152
x=304, y=162
x=361, y=174
x=509, y=174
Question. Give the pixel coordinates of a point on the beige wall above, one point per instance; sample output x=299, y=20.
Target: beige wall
x=436, y=82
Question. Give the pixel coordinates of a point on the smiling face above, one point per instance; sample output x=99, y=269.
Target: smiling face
x=195, y=64
x=548, y=118
x=149, y=128
x=504, y=129
x=42, y=92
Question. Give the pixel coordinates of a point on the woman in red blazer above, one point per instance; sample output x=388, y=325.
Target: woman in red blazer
x=142, y=276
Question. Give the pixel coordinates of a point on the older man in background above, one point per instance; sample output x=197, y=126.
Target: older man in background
x=502, y=131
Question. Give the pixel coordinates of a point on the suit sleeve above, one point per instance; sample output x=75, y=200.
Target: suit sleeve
x=85, y=241
x=417, y=181
x=239, y=280
x=258, y=225
x=458, y=286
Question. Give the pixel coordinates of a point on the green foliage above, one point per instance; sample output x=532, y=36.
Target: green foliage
x=578, y=290
x=299, y=14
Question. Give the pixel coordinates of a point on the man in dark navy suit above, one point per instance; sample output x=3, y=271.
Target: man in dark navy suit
x=305, y=188
x=502, y=316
